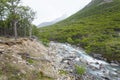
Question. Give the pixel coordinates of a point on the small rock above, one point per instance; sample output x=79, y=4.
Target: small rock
x=113, y=73
x=106, y=78
x=113, y=64
x=77, y=59
x=14, y=62
x=96, y=63
x=22, y=71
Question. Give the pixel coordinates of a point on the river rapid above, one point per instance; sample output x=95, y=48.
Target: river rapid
x=66, y=56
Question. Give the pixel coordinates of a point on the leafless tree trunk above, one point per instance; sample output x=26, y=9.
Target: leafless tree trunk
x=30, y=31
x=25, y=32
x=15, y=30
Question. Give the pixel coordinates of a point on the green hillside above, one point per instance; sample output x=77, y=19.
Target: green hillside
x=96, y=28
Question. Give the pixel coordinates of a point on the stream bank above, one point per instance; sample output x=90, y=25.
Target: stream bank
x=65, y=57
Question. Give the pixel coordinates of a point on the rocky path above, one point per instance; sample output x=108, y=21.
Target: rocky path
x=65, y=57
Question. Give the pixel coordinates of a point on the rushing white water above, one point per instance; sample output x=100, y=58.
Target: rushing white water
x=98, y=68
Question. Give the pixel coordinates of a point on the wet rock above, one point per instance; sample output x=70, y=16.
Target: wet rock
x=96, y=63
x=97, y=56
x=66, y=59
x=114, y=64
x=77, y=59
x=117, y=62
x=113, y=73
x=106, y=78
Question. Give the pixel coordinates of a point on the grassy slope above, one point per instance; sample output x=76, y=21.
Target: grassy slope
x=96, y=28
x=17, y=63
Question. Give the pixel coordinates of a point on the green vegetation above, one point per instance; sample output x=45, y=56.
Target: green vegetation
x=0, y=72
x=96, y=28
x=63, y=72
x=80, y=69
x=30, y=60
x=15, y=19
x=26, y=57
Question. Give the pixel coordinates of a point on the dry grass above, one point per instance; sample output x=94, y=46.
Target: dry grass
x=24, y=59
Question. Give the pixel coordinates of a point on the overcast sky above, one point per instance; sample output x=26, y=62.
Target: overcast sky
x=48, y=10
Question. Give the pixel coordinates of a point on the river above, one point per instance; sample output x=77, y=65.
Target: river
x=98, y=69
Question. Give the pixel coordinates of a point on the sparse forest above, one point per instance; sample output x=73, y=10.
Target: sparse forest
x=15, y=19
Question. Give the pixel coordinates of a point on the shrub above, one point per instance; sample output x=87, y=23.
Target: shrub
x=69, y=40
x=80, y=69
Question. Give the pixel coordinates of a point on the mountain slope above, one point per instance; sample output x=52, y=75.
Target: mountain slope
x=52, y=22
x=96, y=28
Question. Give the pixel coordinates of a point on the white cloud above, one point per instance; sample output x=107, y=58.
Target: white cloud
x=48, y=10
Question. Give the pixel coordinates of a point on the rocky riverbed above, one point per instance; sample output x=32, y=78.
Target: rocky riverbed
x=65, y=57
